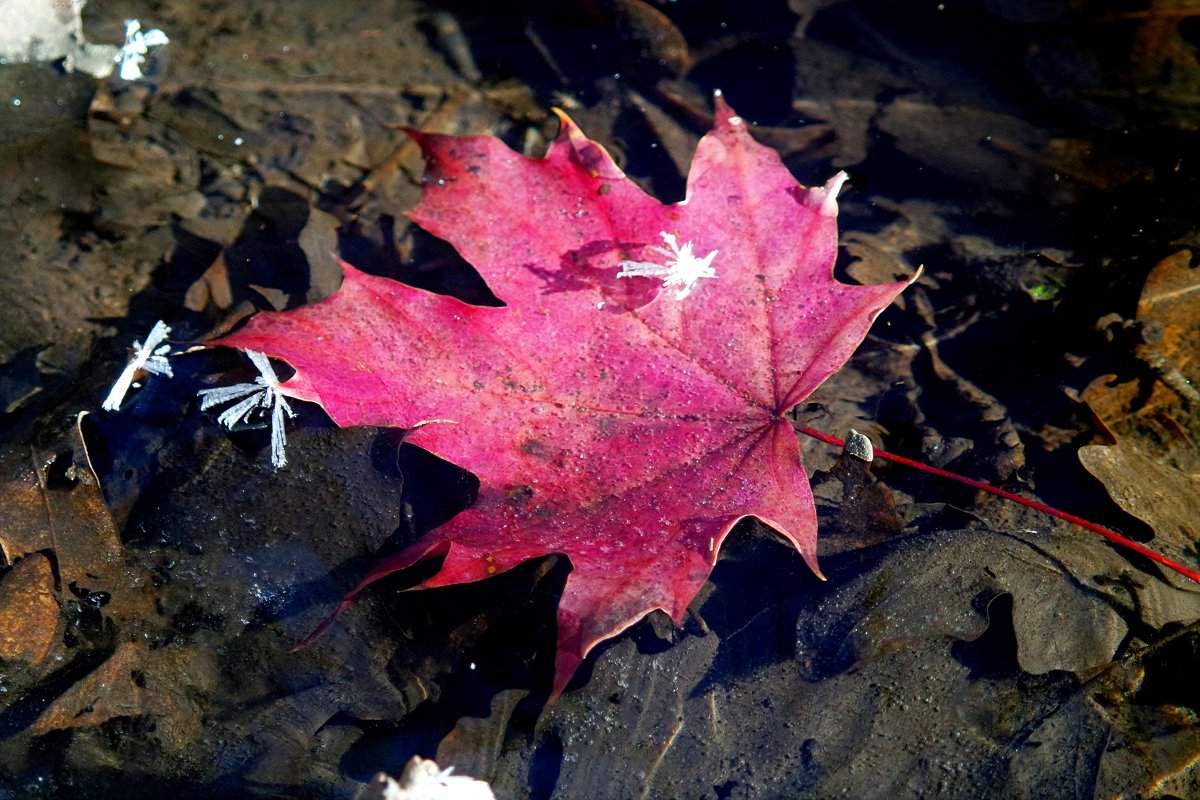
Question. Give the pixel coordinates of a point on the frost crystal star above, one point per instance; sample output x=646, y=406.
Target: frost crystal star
x=137, y=44
x=263, y=393
x=151, y=357
x=682, y=267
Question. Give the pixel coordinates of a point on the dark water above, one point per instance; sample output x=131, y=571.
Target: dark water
x=1035, y=158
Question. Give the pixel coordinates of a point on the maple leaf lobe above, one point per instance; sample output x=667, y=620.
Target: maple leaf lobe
x=606, y=420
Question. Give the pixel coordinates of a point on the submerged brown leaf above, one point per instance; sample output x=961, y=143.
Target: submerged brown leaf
x=51, y=502
x=86, y=543
x=28, y=611
x=24, y=524
x=137, y=681
x=1152, y=469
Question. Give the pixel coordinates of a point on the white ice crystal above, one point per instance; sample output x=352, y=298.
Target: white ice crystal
x=424, y=780
x=150, y=357
x=682, y=267
x=263, y=393
x=137, y=44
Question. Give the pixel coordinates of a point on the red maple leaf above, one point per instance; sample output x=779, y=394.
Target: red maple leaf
x=623, y=414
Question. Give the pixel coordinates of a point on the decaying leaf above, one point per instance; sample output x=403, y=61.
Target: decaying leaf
x=24, y=524
x=896, y=604
x=86, y=543
x=622, y=425
x=137, y=681
x=1152, y=469
x=28, y=611
x=1114, y=737
x=51, y=501
x=912, y=664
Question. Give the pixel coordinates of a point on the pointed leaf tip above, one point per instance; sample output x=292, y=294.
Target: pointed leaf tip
x=568, y=132
x=588, y=154
x=723, y=115
x=823, y=199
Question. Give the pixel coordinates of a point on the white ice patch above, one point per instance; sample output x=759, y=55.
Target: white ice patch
x=44, y=30
x=424, y=780
x=52, y=30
